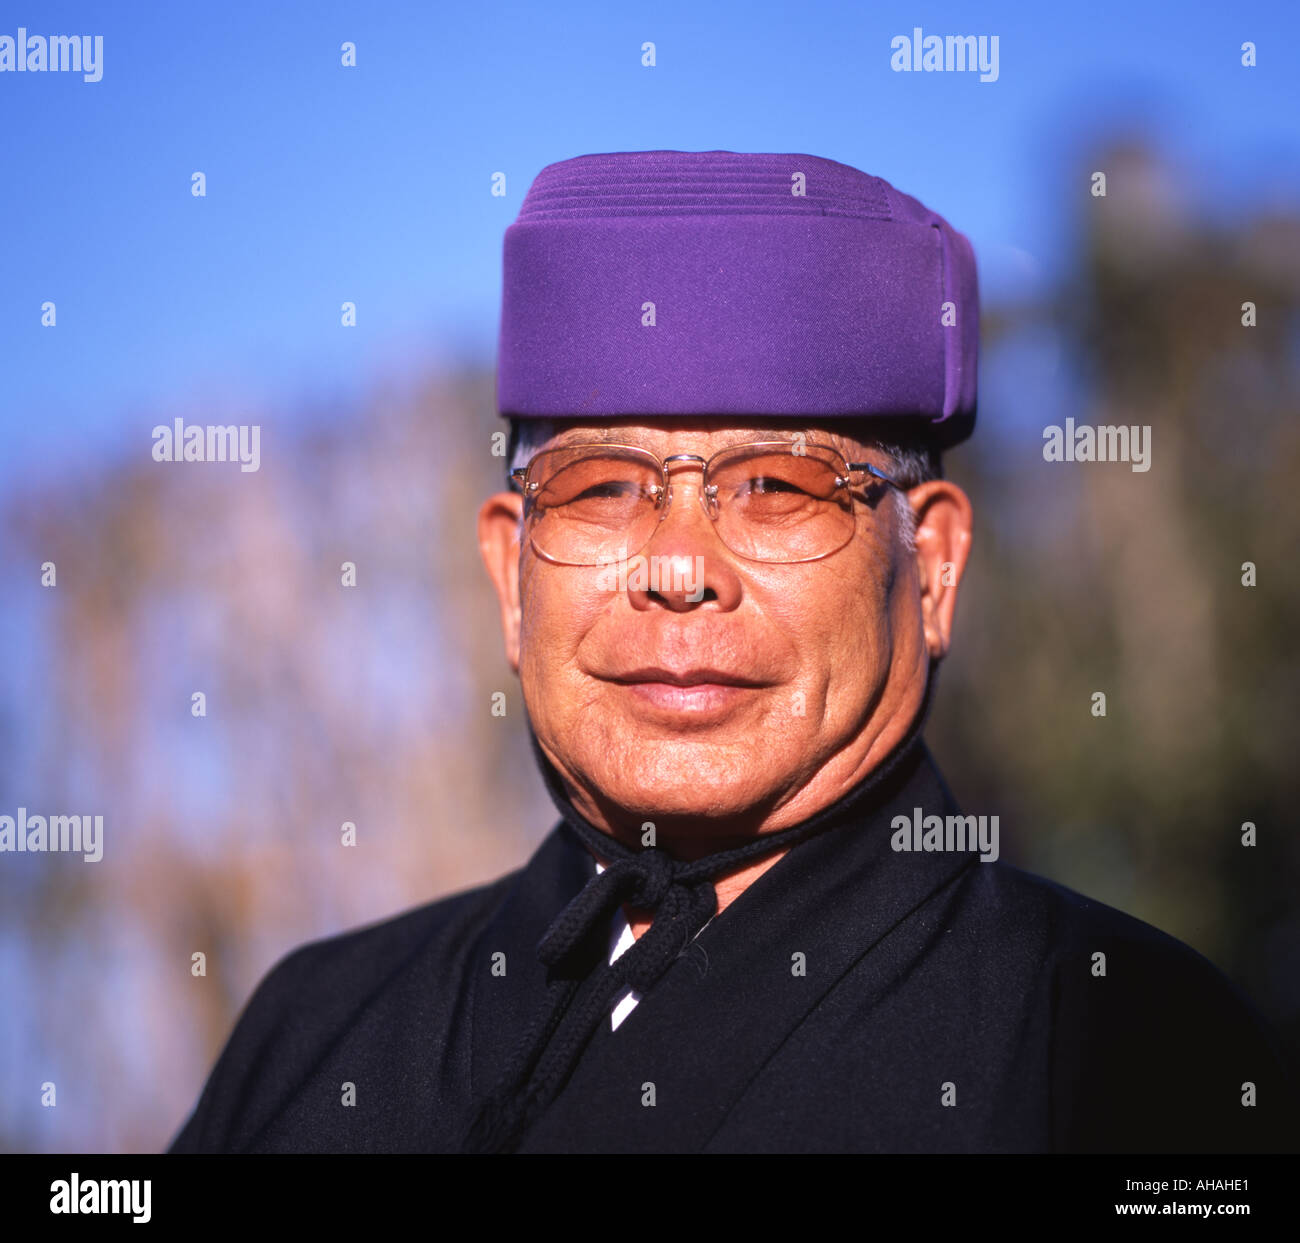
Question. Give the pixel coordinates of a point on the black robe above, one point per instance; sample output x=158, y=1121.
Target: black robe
x=853, y=998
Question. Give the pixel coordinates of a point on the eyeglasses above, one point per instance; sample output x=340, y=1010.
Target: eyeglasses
x=776, y=501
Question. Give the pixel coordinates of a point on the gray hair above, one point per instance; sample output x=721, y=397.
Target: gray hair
x=912, y=459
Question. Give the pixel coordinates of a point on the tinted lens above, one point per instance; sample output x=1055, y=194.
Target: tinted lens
x=592, y=506
x=777, y=505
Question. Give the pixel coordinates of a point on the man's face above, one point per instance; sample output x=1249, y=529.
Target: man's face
x=746, y=695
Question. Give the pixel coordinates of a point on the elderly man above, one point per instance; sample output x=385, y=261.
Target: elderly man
x=727, y=568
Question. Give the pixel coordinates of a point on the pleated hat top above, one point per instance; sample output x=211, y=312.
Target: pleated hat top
x=665, y=283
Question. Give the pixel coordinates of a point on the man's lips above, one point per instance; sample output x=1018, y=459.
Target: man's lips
x=700, y=693
x=657, y=674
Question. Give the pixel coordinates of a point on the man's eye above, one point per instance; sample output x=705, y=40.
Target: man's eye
x=763, y=484
x=611, y=490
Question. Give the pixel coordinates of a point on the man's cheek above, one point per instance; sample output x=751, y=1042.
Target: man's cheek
x=847, y=659
x=789, y=712
x=553, y=626
x=546, y=612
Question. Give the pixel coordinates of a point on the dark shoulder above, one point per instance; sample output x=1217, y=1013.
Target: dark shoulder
x=1154, y=1048
x=1066, y=923
x=1075, y=941
x=317, y=992
x=319, y=972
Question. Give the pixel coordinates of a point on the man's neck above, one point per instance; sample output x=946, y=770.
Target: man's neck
x=729, y=885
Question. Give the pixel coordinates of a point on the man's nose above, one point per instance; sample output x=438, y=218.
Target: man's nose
x=687, y=563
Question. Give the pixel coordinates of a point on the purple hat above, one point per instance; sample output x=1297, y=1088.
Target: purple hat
x=722, y=282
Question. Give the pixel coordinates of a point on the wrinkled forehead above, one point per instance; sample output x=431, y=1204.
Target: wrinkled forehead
x=704, y=435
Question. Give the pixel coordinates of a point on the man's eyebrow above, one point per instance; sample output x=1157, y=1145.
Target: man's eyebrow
x=586, y=436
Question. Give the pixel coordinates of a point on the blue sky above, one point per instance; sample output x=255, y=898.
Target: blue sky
x=371, y=184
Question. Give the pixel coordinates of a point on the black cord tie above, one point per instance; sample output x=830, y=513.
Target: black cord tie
x=649, y=880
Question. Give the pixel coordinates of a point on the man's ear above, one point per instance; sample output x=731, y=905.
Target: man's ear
x=943, y=537
x=498, y=541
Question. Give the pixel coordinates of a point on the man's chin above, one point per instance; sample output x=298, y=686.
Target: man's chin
x=683, y=783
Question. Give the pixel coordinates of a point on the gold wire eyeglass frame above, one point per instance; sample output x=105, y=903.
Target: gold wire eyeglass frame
x=662, y=492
